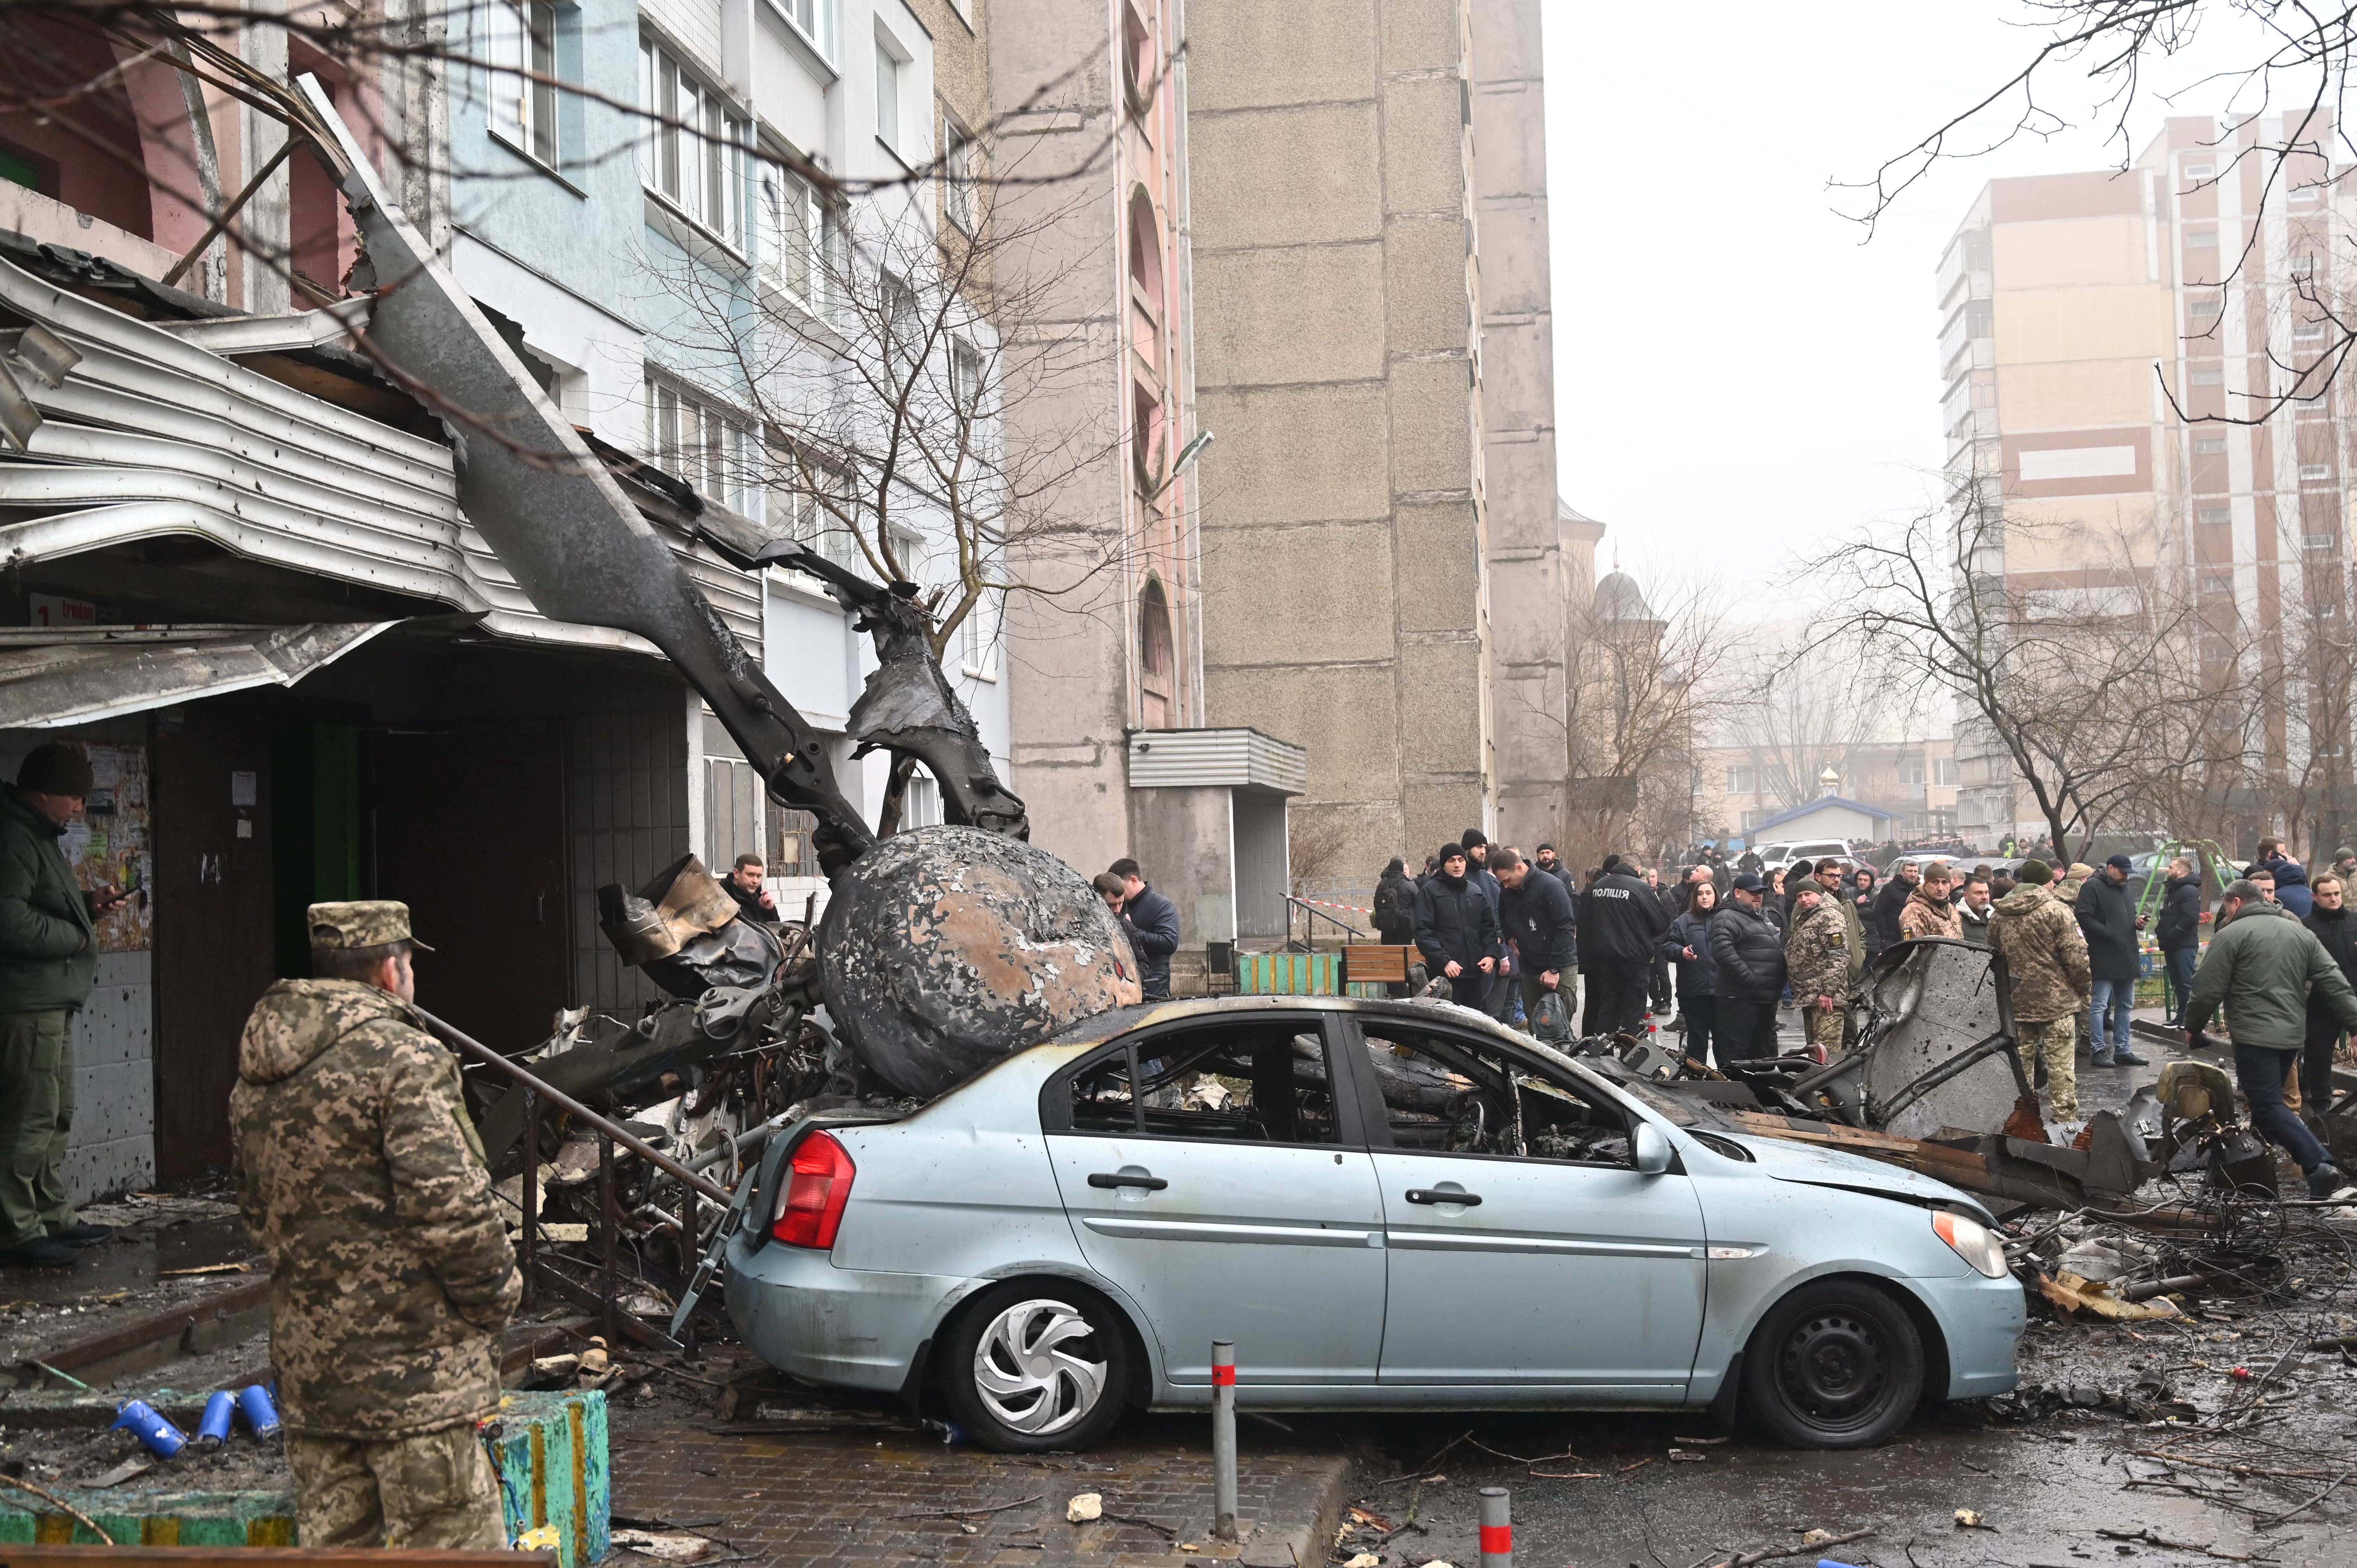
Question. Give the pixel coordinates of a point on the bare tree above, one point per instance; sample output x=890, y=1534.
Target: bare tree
x=1641, y=680
x=2071, y=675
x=1801, y=700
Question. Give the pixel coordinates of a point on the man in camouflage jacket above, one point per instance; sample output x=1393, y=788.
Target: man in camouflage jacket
x=390, y=1272
x=1816, y=965
x=2046, y=953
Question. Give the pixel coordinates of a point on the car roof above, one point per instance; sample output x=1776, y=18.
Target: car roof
x=1121, y=1020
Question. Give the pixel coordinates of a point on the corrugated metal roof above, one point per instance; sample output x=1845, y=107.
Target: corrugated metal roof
x=1199, y=758
x=151, y=435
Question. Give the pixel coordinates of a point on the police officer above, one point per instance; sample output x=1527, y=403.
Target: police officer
x=391, y=1275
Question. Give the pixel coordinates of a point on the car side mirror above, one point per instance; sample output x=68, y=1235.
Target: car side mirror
x=1653, y=1151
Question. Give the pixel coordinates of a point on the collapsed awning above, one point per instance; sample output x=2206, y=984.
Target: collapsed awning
x=60, y=675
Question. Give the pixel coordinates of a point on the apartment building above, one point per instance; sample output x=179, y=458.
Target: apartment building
x=1385, y=573
x=2106, y=339
x=1736, y=788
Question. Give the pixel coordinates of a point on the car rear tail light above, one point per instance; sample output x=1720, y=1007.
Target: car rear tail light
x=818, y=1184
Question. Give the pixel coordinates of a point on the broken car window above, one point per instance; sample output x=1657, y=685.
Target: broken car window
x=1444, y=1095
x=1101, y=1100
x=1256, y=1083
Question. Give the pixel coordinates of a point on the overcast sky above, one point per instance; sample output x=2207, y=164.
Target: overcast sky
x=1742, y=378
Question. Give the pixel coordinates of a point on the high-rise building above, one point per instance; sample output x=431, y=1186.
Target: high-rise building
x=2130, y=365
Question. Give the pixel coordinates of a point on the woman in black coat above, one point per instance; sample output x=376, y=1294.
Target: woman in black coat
x=1687, y=947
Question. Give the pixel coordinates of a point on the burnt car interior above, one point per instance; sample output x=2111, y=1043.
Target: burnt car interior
x=1442, y=1095
x=1236, y=1082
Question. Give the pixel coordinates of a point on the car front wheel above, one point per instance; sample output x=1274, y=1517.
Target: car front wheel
x=1036, y=1365
x=1835, y=1365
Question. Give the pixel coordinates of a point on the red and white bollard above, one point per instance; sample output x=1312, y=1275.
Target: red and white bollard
x=1497, y=1529
x=1223, y=1439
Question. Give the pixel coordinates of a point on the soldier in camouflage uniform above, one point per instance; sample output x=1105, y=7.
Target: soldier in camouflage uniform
x=390, y=1272
x=1816, y=964
x=2046, y=955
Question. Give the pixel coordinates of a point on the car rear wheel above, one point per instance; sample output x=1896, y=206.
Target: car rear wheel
x=1835, y=1365
x=1036, y=1365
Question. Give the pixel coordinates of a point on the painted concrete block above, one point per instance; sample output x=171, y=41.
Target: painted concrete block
x=551, y=1453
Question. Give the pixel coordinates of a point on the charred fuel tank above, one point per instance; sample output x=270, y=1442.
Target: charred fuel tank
x=945, y=948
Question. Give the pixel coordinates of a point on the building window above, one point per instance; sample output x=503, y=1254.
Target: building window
x=800, y=241
x=2205, y=305
x=920, y=802
x=1741, y=782
x=2202, y=239
x=2217, y=584
x=890, y=61
x=978, y=637
x=811, y=503
x=957, y=172
x=2211, y=377
x=966, y=375
x=700, y=446
x=1146, y=438
x=2200, y=171
x=1138, y=67
x=732, y=811
x=2209, y=446
x=2315, y=470
x=2307, y=331
x=693, y=157
x=2214, y=514
x=520, y=48
x=1144, y=246
x=2304, y=264
x=808, y=17
x=1943, y=772
x=2319, y=540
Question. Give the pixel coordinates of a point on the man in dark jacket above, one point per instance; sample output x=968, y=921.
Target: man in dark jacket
x=2336, y=929
x=1499, y=1002
x=2291, y=888
x=1882, y=917
x=2107, y=919
x=1620, y=929
x=2262, y=968
x=1395, y=905
x=1861, y=894
x=1536, y=917
x=1555, y=867
x=748, y=884
x=2180, y=933
x=1749, y=958
x=48, y=960
x=1456, y=931
x=1153, y=922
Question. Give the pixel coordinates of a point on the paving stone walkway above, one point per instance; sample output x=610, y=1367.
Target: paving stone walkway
x=860, y=1498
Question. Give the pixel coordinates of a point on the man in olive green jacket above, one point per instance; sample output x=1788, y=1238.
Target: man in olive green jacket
x=48, y=959
x=2262, y=968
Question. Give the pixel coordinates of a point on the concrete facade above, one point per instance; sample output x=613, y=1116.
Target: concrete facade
x=1092, y=139
x=1382, y=568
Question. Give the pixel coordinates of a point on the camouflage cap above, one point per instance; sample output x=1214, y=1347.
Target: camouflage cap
x=362, y=923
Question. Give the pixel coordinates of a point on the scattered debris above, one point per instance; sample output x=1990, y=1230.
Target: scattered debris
x=1970, y=1519
x=1083, y=1508
x=671, y=1546
x=130, y=1469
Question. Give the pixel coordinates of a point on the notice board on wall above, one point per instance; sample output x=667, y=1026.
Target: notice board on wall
x=109, y=844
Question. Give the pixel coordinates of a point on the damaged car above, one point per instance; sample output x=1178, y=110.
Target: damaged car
x=1383, y=1205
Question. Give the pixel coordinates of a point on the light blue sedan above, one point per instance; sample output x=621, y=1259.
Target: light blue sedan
x=1384, y=1204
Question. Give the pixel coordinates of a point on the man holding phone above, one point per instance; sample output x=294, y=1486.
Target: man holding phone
x=48, y=961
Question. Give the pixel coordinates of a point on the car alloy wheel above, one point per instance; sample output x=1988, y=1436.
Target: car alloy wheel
x=1835, y=1365
x=1037, y=1368
x=1028, y=1366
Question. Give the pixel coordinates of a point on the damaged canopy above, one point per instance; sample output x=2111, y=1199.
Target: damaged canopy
x=59, y=675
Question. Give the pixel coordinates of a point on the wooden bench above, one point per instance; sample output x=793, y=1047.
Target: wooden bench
x=1375, y=964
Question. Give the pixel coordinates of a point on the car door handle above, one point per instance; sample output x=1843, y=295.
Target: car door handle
x=1429, y=1194
x=1120, y=1178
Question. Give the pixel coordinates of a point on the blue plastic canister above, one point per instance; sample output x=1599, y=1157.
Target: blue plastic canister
x=259, y=1414
x=139, y=1418
x=214, y=1429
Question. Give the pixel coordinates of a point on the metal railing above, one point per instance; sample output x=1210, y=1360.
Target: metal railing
x=539, y=1094
x=1311, y=914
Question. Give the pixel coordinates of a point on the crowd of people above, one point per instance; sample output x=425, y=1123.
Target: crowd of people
x=1722, y=947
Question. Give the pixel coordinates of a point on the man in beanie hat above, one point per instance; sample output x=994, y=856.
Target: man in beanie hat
x=391, y=1275
x=1456, y=931
x=48, y=959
